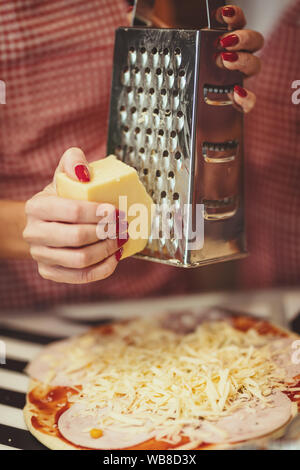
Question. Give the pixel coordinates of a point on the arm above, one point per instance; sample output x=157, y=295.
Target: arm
x=12, y=224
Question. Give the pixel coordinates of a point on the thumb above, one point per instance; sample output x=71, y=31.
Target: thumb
x=75, y=165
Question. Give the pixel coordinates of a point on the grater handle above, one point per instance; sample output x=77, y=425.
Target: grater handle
x=175, y=14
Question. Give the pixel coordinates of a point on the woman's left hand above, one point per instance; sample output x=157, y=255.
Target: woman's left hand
x=236, y=51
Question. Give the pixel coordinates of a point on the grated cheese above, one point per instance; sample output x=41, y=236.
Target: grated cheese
x=161, y=382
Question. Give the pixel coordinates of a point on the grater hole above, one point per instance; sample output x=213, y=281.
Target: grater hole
x=122, y=108
x=125, y=69
x=177, y=155
x=154, y=51
x=136, y=70
x=137, y=130
x=181, y=73
x=151, y=91
x=131, y=49
x=142, y=150
x=166, y=51
x=126, y=129
x=170, y=72
x=163, y=194
x=171, y=174
x=165, y=153
x=140, y=90
x=142, y=50
x=131, y=149
x=144, y=110
x=158, y=71
x=163, y=92
x=180, y=114
x=156, y=111
x=149, y=131
x=161, y=132
x=147, y=70
x=175, y=196
x=145, y=171
x=177, y=51
x=158, y=173
x=133, y=110
x=129, y=89
x=175, y=93
x=168, y=113
x=173, y=134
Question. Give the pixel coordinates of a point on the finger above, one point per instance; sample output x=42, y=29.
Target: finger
x=79, y=276
x=244, y=98
x=245, y=62
x=75, y=165
x=54, y=208
x=244, y=39
x=55, y=234
x=76, y=258
x=231, y=15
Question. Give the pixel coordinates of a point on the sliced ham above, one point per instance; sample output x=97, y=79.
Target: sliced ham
x=75, y=427
x=282, y=354
x=42, y=369
x=250, y=422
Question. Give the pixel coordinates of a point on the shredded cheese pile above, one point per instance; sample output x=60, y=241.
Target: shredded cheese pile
x=157, y=380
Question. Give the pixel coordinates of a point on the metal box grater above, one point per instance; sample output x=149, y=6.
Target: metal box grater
x=172, y=118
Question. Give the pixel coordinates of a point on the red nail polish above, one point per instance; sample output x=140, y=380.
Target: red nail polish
x=228, y=11
x=230, y=56
x=229, y=41
x=82, y=173
x=118, y=254
x=123, y=240
x=240, y=91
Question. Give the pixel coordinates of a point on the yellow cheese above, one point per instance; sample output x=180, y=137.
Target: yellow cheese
x=110, y=179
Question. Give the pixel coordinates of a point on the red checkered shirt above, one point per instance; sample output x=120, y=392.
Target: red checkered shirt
x=56, y=60
x=273, y=162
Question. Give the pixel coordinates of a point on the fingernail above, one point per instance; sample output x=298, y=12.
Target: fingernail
x=229, y=41
x=118, y=254
x=120, y=215
x=121, y=226
x=122, y=239
x=82, y=173
x=228, y=11
x=230, y=56
x=240, y=91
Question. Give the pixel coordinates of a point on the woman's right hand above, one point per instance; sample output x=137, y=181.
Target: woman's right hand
x=63, y=234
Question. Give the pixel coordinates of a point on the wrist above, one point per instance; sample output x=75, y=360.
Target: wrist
x=12, y=224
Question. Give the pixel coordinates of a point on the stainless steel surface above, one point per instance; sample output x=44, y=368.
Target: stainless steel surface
x=189, y=14
x=172, y=118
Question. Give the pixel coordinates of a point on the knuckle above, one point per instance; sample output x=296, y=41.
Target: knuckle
x=74, y=210
x=34, y=252
x=28, y=234
x=78, y=236
x=43, y=272
x=81, y=259
x=30, y=206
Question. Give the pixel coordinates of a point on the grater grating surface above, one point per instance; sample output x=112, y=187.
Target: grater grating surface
x=157, y=92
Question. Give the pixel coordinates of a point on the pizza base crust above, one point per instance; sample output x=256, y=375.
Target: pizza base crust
x=51, y=442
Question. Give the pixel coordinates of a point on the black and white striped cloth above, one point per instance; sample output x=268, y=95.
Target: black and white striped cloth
x=23, y=338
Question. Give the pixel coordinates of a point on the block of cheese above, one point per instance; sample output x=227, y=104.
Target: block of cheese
x=110, y=179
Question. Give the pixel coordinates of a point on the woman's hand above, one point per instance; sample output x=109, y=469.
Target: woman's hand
x=237, y=51
x=62, y=233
